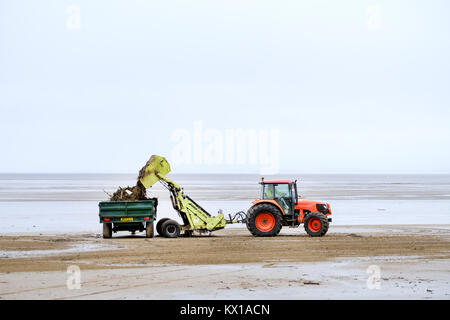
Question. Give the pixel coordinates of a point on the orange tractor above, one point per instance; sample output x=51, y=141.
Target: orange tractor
x=279, y=206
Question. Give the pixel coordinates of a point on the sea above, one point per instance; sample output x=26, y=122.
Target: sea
x=68, y=203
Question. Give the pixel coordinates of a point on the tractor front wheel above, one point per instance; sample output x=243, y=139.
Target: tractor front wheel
x=316, y=224
x=264, y=220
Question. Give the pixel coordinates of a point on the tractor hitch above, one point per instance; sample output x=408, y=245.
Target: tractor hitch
x=238, y=217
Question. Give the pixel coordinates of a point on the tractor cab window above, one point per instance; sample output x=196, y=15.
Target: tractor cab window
x=283, y=195
x=267, y=191
x=276, y=191
x=282, y=191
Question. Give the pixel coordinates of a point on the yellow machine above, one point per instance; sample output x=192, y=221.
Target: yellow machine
x=194, y=217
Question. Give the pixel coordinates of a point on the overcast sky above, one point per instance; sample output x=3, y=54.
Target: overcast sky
x=346, y=86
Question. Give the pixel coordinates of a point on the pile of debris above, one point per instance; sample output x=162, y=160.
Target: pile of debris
x=135, y=193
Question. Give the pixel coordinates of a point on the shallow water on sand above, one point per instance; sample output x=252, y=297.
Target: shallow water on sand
x=49, y=203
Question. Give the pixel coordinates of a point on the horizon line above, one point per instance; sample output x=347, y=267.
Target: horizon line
x=235, y=173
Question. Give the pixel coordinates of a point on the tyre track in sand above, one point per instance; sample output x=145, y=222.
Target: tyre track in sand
x=148, y=284
x=88, y=282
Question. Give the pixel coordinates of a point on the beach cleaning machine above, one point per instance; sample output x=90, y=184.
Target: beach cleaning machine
x=194, y=217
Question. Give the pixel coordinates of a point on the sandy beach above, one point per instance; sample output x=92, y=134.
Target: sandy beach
x=413, y=262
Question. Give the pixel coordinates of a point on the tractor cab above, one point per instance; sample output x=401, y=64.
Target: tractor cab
x=284, y=192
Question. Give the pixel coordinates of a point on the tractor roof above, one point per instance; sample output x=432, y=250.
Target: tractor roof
x=278, y=181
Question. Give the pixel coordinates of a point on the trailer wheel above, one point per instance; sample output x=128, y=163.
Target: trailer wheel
x=316, y=224
x=107, y=230
x=159, y=226
x=264, y=220
x=149, y=229
x=170, y=229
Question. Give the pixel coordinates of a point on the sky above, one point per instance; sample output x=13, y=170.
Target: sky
x=301, y=86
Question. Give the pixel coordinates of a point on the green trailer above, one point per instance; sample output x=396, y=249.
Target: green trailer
x=129, y=216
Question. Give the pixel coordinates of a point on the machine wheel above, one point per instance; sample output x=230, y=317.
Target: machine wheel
x=170, y=229
x=316, y=224
x=264, y=220
x=107, y=230
x=188, y=233
x=159, y=225
x=149, y=230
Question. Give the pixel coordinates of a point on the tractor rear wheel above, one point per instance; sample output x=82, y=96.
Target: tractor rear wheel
x=159, y=224
x=264, y=220
x=316, y=224
x=170, y=229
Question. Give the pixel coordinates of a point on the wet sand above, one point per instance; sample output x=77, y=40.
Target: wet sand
x=231, y=264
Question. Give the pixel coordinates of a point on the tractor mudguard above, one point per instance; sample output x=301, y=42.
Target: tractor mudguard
x=258, y=201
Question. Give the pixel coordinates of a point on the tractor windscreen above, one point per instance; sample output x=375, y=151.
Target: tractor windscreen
x=276, y=190
x=282, y=191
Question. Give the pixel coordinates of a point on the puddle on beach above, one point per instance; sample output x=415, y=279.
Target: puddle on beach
x=84, y=247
